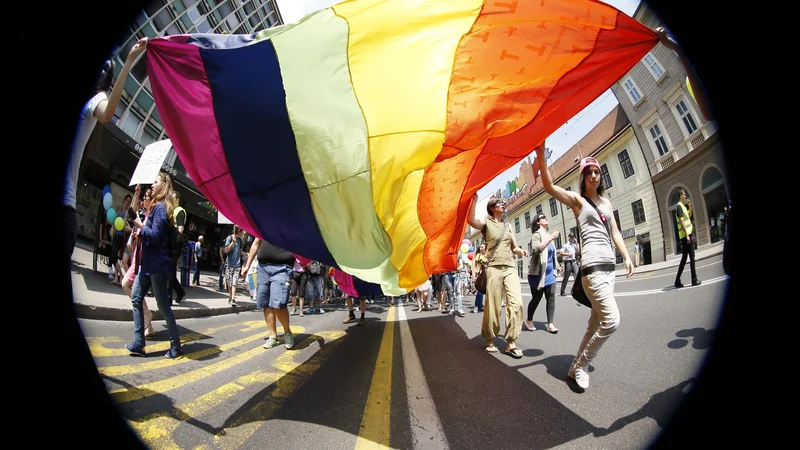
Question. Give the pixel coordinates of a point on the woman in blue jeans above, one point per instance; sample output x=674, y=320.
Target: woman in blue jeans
x=542, y=271
x=154, y=269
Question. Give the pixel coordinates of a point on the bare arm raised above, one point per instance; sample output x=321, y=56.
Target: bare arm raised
x=569, y=198
x=472, y=220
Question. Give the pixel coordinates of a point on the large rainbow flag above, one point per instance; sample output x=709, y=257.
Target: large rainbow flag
x=358, y=136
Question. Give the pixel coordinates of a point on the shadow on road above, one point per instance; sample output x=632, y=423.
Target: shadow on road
x=701, y=338
x=660, y=407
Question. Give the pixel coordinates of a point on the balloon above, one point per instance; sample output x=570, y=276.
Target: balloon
x=119, y=224
x=106, y=190
x=466, y=241
x=471, y=249
x=111, y=215
x=464, y=248
x=107, y=200
x=470, y=256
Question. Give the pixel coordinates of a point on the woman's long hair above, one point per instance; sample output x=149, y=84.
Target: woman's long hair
x=600, y=188
x=105, y=77
x=165, y=196
x=535, y=224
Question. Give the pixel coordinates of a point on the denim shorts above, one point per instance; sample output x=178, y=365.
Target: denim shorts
x=273, y=281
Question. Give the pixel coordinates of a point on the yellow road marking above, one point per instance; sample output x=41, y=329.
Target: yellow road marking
x=127, y=369
x=156, y=430
x=97, y=345
x=374, y=431
x=128, y=394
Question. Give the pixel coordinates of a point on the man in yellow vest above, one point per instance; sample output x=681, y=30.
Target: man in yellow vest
x=683, y=215
x=179, y=218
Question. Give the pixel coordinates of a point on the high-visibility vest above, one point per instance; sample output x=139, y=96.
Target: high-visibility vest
x=687, y=222
x=175, y=213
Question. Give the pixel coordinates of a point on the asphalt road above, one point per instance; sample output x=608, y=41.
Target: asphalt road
x=417, y=380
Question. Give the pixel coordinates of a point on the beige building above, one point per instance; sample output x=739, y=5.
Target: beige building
x=626, y=177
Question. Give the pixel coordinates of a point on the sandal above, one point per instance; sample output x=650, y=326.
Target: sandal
x=514, y=352
x=490, y=349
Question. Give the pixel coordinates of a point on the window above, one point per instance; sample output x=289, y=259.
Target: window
x=686, y=117
x=131, y=123
x=553, y=207
x=569, y=188
x=625, y=163
x=638, y=212
x=527, y=219
x=606, y=176
x=516, y=223
x=538, y=209
x=632, y=90
x=616, y=219
x=653, y=66
x=658, y=140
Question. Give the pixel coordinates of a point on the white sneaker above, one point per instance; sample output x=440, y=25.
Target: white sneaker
x=580, y=376
x=321, y=311
x=233, y=302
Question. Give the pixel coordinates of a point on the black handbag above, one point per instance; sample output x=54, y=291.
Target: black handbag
x=577, y=287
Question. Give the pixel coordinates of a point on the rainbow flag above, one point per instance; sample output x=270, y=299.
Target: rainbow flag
x=358, y=136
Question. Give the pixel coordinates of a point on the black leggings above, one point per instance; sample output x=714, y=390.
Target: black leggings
x=550, y=293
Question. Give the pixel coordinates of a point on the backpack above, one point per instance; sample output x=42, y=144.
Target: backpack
x=174, y=242
x=315, y=268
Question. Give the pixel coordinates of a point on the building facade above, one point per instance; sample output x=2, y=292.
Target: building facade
x=628, y=185
x=113, y=150
x=681, y=148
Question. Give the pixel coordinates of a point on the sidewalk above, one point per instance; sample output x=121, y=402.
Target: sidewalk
x=705, y=252
x=96, y=298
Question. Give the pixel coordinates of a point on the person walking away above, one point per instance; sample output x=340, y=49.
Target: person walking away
x=274, y=273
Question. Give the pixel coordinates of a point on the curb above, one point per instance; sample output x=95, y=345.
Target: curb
x=84, y=311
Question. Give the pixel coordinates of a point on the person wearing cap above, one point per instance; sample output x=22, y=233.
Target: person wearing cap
x=501, y=276
x=597, y=261
x=569, y=251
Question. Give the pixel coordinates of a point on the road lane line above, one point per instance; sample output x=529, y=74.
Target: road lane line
x=426, y=428
x=671, y=289
x=374, y=430
x=127, y=369
x=127, y=394
x=97, y=345
x=156, y=430
x=234, y=435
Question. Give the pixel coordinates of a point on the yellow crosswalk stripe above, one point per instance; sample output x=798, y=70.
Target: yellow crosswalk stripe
x=98, y=348
x=374, y=431
x=127, y=369
x=156, y=430
x=127, y=394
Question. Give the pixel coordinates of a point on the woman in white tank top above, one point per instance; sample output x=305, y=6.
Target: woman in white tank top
x=597, y=230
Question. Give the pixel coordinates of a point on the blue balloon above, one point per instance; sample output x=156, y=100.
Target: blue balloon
x=106, y=190
x=111, y=215
x=471, y=249
x=107, y=200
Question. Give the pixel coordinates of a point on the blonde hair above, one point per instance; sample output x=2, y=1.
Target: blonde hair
x=165, y=196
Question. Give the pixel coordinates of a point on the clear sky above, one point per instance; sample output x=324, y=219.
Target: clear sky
x=560, y=141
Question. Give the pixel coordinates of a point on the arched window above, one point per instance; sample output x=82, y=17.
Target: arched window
x=712, y=179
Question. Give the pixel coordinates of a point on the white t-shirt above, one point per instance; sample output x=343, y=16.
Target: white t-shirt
x=86, y=124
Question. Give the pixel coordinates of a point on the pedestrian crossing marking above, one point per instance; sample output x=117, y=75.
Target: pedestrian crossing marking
x=98, y=345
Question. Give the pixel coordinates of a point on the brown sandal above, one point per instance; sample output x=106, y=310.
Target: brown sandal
x=514, y=352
